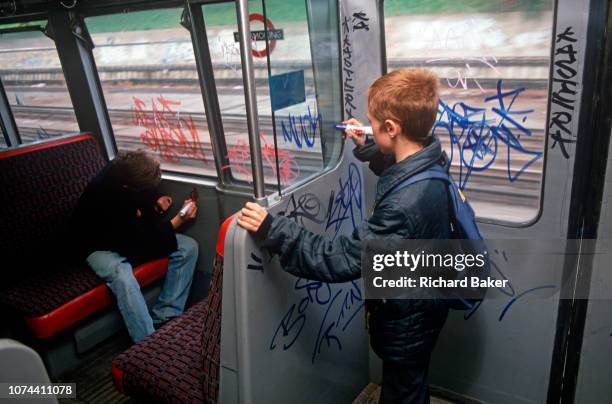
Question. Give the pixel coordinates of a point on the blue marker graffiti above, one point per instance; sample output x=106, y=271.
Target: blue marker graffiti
x=509, y=291
x=301, y=129
x=346, y=204
x=342, y=302
x=479, y=138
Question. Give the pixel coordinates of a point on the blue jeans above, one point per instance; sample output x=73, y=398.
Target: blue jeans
x=117, y=273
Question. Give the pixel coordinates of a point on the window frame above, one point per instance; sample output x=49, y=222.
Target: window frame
x=8, y=125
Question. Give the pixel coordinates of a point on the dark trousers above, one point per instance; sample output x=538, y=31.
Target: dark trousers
x=404, y=384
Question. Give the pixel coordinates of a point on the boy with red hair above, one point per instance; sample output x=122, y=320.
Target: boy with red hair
x=402, y=108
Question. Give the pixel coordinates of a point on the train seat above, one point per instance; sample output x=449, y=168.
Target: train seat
x=180, y=361
x=41, y=183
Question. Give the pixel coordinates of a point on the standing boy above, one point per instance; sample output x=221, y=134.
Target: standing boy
x=402, y=108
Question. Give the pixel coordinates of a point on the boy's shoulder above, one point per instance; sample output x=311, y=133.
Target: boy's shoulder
x=421, y=195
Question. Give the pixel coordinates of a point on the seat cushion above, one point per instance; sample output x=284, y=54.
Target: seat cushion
x=55, y=299
x=211, y=337
x=180, y=362
x=172, y=364
x=167, y=365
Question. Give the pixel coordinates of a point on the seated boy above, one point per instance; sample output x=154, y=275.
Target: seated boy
x=402, y=108
x=118, y=224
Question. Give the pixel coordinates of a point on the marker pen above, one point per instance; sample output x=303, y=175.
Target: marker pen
x=359, y=130
x=185, y=209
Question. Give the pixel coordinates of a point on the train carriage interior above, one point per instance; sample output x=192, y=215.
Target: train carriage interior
x=238, y=102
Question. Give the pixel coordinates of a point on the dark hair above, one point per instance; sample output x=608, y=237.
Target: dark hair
x=137, y=170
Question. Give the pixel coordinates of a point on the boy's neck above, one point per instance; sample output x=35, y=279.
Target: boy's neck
x=404, y=148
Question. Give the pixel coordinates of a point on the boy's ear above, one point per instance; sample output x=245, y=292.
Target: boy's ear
x=393, y=128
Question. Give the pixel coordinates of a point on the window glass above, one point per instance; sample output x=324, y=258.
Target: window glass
x=493, y=59
x=35, y=86
x=147, y=69
x=291, y=121
x=298, y=121
x=221, y=24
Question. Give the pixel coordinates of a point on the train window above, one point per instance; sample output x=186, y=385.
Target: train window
x=493, y=61
x=290, y=120
x=148, y=74
x=35, y=86
x=221, y=24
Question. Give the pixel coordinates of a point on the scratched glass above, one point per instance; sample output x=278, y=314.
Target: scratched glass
x=302, y=39
x=221, y=30
x=35, y=86
x=290, y=119
x=493, y=59
x=151, y=88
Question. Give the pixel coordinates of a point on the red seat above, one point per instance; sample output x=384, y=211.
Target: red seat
x=179, y=362
x=53, y=301
x=41, y=184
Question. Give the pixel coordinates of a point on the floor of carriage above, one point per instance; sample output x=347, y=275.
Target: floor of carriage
x=94, y=383
x=371, y=394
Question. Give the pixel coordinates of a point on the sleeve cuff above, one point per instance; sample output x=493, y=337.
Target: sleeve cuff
x=264, y=228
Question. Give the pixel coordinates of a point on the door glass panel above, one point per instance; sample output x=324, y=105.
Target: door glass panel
x=284, y=69
x=493, y=61
x=221, y=24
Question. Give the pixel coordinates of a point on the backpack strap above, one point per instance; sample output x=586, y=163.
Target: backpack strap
x=436, y=172
x=433, y=172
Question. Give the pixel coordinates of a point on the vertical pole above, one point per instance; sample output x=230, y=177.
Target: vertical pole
x=250, y=95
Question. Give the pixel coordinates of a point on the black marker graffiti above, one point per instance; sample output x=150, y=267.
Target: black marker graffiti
x=307, y=207
x=347, y=67
x=360, y=21
x=564, y=91
x=256, y=264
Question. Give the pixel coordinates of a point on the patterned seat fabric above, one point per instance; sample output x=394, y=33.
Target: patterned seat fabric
x=179, y=363
x=42, y=293
x=41, y=185
x=211, y=338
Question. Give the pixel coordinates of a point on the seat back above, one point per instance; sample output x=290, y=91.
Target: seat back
x=211, y=335
x=22, y=365
x=40, y=185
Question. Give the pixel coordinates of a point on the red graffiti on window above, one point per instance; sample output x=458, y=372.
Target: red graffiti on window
x=239, y=156
x=167, y=132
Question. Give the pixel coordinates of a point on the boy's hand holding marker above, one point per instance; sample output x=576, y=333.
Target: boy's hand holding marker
x=253, y=216
x=355, y=130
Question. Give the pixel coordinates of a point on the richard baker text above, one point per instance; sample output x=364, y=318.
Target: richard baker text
x=431, y=282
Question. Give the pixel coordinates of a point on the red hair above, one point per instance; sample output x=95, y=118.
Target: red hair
x=408, y=97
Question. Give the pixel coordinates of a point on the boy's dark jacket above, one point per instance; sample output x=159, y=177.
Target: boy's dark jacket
x=400, y=330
